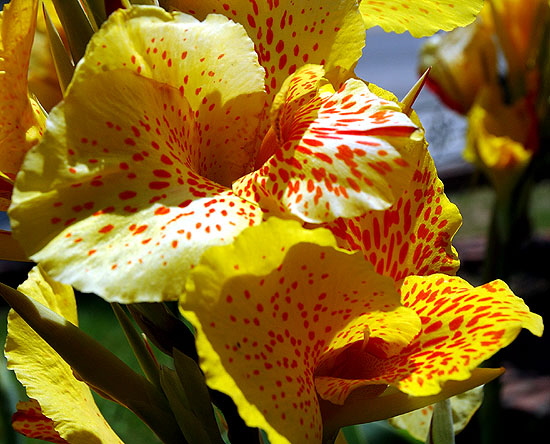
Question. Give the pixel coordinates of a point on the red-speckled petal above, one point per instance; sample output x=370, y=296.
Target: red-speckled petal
x=421, y=17
x=31, y=422
x=288, y=35
x=266, y=317
x=338, y=154
x=212, y=63
x=111, y=200
x=21, y=118
x=414, y=235
x=461, y=327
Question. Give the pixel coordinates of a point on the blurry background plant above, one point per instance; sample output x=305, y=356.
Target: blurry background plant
x=497, y=73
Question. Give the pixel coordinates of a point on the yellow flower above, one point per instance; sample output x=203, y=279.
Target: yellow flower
x=116, y=202
x=66, y=403
x=462, y=62
x=501, y=138
x=293, y=330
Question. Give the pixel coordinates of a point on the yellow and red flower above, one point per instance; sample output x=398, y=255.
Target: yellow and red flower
x=142, y=186
x=299, y=321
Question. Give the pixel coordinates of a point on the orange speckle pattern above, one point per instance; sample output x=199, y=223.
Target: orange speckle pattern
x=323, y=322
x=414, y=235
x=287, y=35
x=335, y=155
x=22, y=120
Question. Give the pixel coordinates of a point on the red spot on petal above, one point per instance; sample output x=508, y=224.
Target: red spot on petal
x=106, y=228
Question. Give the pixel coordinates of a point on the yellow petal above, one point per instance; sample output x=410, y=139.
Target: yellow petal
x=46, y=377
x=519, y=26
x=114, y=203
x=338, y=154
x=462, y=62
x=288, y=35
x=212, y=63
x=421, y=18
x=463, y=406
x=268, y=317
x=10, y=250
x=414, y=235
x=21, y=118
x=461, y=327
x=501, y=137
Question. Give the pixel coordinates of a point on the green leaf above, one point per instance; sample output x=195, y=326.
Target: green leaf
x=78, y=26
x=357, y=409
x=164, y=329
x=196, y=392
x=97, y=9
x=192, y=427
x=146, y=361
x=62, y=60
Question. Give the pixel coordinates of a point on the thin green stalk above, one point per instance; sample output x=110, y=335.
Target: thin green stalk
x=146, y=361
x=510, y=228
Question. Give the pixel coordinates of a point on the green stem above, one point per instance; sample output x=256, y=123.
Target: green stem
x=510, y=228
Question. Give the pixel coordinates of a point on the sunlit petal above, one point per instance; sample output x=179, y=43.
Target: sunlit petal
x=288, y=35
x=212, y=63
x=337, y=153
x=414, y=235
x=46, y=377
x=462, y=327
x=115, y=198
x=421, y=18
x=265, y=319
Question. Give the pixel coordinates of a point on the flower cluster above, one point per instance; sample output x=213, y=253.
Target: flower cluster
x=497, y=71
x=224, y=155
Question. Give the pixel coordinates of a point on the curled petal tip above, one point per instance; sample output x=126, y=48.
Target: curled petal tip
x=410, y=98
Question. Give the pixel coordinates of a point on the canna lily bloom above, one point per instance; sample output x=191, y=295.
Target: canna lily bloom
x=296, y=330
x=501, y=138
x=142, y=186
x=462, y=62
x=22, y=120
x=62, y=408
